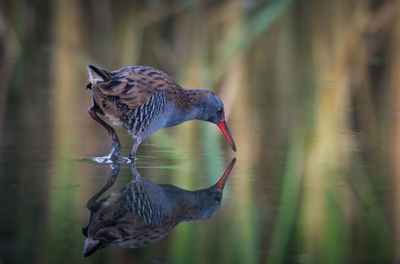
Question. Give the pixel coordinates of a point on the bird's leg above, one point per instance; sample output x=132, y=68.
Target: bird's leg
x=116, y=146
x=115, y=169
x=135, y=174
x=136, y=143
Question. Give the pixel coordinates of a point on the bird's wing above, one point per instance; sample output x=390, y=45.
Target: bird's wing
x=135, y=85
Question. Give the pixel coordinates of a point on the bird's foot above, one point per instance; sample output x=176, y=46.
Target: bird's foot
x=132, y=158
x=110, y=159
x=114, y=157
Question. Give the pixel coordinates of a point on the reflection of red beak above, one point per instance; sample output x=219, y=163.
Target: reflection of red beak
x=221, y=183
x=225, y=130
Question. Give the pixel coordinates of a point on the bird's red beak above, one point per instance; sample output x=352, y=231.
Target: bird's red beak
x=221, y=183
x=225, y=130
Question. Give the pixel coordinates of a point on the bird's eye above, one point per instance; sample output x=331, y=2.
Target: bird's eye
x=219, y=110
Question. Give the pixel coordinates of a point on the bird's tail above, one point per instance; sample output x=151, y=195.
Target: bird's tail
x=89, y=86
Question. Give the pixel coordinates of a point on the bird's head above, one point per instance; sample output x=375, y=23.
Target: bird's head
x=212, y=110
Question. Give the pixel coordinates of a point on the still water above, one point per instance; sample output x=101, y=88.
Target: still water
x=311, y=103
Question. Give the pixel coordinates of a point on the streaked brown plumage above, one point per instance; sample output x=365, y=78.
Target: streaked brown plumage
x=136, y=84
x=143, y=100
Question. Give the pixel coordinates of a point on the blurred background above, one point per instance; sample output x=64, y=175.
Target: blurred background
x=312, y=94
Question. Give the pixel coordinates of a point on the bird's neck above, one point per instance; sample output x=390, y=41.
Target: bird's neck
x=188, y=99
x=196, y=205
x=187, y=106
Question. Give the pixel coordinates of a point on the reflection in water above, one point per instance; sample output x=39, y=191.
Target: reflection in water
x=142, y=212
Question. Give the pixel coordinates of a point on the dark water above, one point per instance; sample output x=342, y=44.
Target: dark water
x=311, y=94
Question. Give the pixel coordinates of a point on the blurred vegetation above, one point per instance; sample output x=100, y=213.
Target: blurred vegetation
x=311, y=90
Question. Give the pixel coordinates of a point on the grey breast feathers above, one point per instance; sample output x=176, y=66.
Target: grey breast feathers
x=140, y=120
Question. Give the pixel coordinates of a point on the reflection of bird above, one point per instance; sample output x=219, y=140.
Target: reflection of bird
x=144, y=100
x=142, y=213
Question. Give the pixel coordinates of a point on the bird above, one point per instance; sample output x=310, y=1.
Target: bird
x=143, y=100
x=142, y=213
